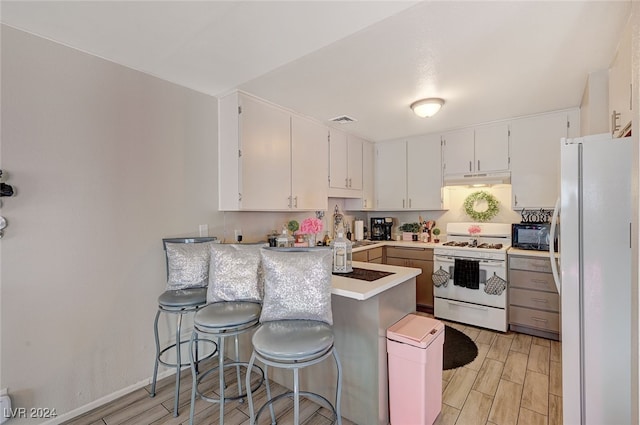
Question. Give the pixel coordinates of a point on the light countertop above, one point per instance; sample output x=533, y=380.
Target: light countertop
x=530, y=253
x=376, y=244
x=363, y=290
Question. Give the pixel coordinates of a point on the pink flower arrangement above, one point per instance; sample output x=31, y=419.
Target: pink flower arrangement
x=474, y=230
x=311, y=225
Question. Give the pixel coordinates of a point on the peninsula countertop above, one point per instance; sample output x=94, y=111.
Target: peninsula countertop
x=362, y=290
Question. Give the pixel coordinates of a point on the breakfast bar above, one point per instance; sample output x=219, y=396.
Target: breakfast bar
x=362, y=312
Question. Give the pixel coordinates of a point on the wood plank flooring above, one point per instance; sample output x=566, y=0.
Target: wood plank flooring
x=515, y=380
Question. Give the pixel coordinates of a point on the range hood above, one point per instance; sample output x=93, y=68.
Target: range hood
x=477, y=179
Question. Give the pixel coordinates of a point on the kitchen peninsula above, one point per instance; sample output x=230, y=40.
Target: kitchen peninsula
x=362, y=312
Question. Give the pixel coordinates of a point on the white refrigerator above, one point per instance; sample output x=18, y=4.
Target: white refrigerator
x=595, y=279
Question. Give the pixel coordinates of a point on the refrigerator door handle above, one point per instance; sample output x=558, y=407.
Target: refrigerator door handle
x=552, y=237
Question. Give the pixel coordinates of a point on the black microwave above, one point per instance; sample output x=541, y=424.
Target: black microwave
x=534, y=236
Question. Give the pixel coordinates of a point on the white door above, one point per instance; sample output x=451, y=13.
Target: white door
x=458, y=152
x=309, y=168
x=492, y=147
x=265, y=161
x=354, y=162
x=535, y=158
x=338, y=160
x=424, y=173
x=391, y=175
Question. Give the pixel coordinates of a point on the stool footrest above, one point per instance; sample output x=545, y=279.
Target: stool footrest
x=327, y=404
x=229, y=398
x=200, y=359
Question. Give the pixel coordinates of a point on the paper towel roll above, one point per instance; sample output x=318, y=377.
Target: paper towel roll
x=359, y=230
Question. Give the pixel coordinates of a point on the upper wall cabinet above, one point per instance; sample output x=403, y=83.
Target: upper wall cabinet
x=367, y=201
x=476, y=150
x=408, y=174
x=263, y=157
x=535, y=157
x=620, y=89
x=345, y=164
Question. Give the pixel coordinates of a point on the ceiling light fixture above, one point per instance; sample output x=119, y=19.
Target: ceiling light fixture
x=426, y=108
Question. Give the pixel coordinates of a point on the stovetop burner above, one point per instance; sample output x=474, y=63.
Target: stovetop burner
x=454, y=243
x=467, y=244
x=490, y=245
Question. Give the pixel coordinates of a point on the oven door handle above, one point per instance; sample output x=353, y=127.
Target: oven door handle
x=473, y=306
x=451, y=260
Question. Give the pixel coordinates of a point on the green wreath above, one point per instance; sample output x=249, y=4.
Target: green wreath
x=486, y=215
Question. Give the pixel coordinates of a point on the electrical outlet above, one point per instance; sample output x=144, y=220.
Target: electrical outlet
x=238, y=235
x=203, y=230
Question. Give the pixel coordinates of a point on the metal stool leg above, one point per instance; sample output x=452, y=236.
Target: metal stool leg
x=155, y=367
x=178, y=364
x=221, y=377
x=237, y=346
x=296, y=398
x=194, y=377
x=338, y=387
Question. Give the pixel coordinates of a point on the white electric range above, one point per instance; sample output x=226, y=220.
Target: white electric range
x=478, y=294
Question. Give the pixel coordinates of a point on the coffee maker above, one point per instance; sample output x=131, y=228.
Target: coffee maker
x=381, y=228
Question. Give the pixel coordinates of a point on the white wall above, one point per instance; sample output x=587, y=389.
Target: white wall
x=106, y=161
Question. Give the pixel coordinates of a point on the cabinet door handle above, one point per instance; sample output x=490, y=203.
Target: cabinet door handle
x=540, y=300
x=472, y=306
x=537, y=319
x=364, y=203
x=289, y=201
x=349, y=181
x=403, y=203
x=470, y=165
x=515, y=200
x=478, y=166
x=409, y=202
x=295, y=202
x=615, y=116
x=346, y=182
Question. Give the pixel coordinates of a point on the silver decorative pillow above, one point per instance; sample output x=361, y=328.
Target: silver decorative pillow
x=233, y=274
x=297, y=284
x=187, y=265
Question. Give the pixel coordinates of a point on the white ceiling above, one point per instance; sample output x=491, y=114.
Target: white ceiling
x=489, y=60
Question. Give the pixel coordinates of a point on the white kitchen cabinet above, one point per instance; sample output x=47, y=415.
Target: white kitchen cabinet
x=620, y=90
x=535, y=157
x=477, y=150
x=268, y=158
x=309, y=167
x=367, y=201
x=391, y=175
x=345, y=162
x=458, y=147
x=409, y=174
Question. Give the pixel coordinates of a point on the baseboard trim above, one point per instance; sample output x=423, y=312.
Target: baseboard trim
x=106, y=399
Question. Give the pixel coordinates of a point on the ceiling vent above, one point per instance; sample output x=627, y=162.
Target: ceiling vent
x=343, y=119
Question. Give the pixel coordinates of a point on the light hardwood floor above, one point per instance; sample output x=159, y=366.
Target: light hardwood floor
x=515, y=380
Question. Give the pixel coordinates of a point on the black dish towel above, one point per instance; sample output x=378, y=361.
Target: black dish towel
x=466, y=273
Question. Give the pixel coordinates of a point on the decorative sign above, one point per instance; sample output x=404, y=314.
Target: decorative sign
x=536, y=216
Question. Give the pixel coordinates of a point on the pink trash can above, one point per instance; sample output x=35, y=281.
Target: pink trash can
x=414, y=347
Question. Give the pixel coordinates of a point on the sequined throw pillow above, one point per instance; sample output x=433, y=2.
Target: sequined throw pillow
x=188, y=265
x=297, y=284
x=233, y=275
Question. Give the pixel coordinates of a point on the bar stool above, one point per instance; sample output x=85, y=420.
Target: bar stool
x=234, y=296
x=187, y=262
x=296, y=319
